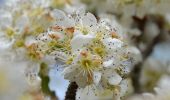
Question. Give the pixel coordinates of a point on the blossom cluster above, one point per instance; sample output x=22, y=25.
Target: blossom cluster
x=91, y=51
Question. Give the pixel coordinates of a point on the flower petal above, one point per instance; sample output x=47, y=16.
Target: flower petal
x=62, y=19
x=5, y=18
x=79, y=40
x=114, y=79
x=112, y=44
x=96, y=77
x=5, y=43
x=90, y=21
x=108, y=63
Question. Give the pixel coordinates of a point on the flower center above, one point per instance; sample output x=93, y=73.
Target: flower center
x=10, y=32
x=100, y=51
x=84, y=30
x=86, y=63
x=89, y=62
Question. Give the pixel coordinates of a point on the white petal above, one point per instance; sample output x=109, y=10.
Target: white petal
x=81, y=10
x=48, y=59
x=135, y=53
x=108, y=63
x=79, y=40
x=21, y=23
x=5, y=18
x=148, y=96
x=89, y=20
x=158, y=90
x=31, y=73
x=73, y=74
x=12, y=73
x=29, y=40
x=58, y=14
x=164, y=82
x=5, y=43
x=124, y=88
x=69, y=22
x=96, y=77
x=114, y=79
x=62, y=19
x=112, y=44
x=81, y=81
x=69, y=69
x=91, y=93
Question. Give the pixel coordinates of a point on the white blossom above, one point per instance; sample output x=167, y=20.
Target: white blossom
x=91, y=52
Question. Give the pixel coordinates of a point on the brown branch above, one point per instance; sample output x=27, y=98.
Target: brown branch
x=71, y=91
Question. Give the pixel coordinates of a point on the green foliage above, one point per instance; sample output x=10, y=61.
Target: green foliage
x=45, y=79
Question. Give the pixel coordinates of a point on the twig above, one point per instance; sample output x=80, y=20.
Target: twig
x=71, y=91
